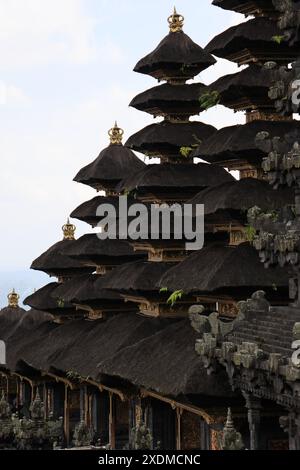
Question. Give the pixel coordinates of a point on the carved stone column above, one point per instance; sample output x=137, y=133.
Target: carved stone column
x=291, y=425
x=254, y=414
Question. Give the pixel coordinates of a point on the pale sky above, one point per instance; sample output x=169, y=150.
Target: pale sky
x=65, y=77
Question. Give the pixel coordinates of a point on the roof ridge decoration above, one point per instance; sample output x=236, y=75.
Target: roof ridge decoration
x=13, y=299
x=69, y=231
x=116, y=135
x=176, y=22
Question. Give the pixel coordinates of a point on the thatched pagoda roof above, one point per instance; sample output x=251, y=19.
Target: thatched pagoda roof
x=56, y=262
x=87, y=212
x=12, y=314
x=139, y=276
x=166, y=139
x=89, y=249
x=257, y=36
x=167, y=100
x=248, y=7
x=166, y=362
x=162, y=354
x=84, y=290
x=219, y=269
x=238, y=142
x=241, y=195
x=169, y=177
x=176, y=57
x=248, y=87
x=113, y=164
x=43, y=300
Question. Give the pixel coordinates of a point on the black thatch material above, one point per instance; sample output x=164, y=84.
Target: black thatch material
x=176, y=56
x=166, y=362
x=158, y=355
x=256, y=35
x=90, y=249
x=168, y=100
x=85, y=290
x=166, y=139
x=12, y=315
x=51, y=346
x=42, y=300
x=242, y=195
x=180, y=177
x=246, y=6
x=272, y=331
x=87, y=212
x=251, y=84
x=238, y=142
x=140, y=276
x=113, y=164
x=220, y=268
x=56, y=262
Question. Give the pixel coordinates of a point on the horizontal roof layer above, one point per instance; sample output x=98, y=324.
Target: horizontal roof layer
x=217, y=268
x=166, y=100
x=238, y=142
x=166, y=139
x=243, y=194
x=248, y=7
x=90, y=249
x=200, y=175
x=56, y=262
x=170, y=366
x=257, y=35
x=113, y=164
x=249, y=86
x=177, y=57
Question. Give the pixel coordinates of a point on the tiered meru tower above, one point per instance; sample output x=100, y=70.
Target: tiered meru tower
x=120, y=369
x=222, y=275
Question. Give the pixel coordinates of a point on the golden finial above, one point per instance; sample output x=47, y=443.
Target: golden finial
x=69, y=231
x=176, y=22
x=13, y=299
x=116, y=135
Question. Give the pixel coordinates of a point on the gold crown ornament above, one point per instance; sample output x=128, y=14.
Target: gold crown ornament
x=176, y=22
x=116, y=135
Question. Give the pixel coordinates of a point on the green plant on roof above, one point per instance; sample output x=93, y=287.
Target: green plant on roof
x=177, y=295
x=278, y=39
x=60, y=303
x=209, y=99
x=250, y=233
x=163, y=290
x=186, y=151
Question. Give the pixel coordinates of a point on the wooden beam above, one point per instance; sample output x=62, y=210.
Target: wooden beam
x=181, y=406
x=114, y=391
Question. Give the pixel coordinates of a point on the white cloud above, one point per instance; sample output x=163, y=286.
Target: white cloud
x=12, y=95
x=35, y=32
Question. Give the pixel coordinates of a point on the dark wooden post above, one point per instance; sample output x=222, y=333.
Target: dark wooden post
x=112, y=422
x=178, y=428
x=67, y=416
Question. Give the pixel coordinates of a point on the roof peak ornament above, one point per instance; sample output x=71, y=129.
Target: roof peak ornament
x=13, y=299
x=116, y=135
x=69, y=231
x=176, y=22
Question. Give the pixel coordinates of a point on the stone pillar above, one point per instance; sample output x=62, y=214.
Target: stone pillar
x=291, y=425
x=254, y=415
